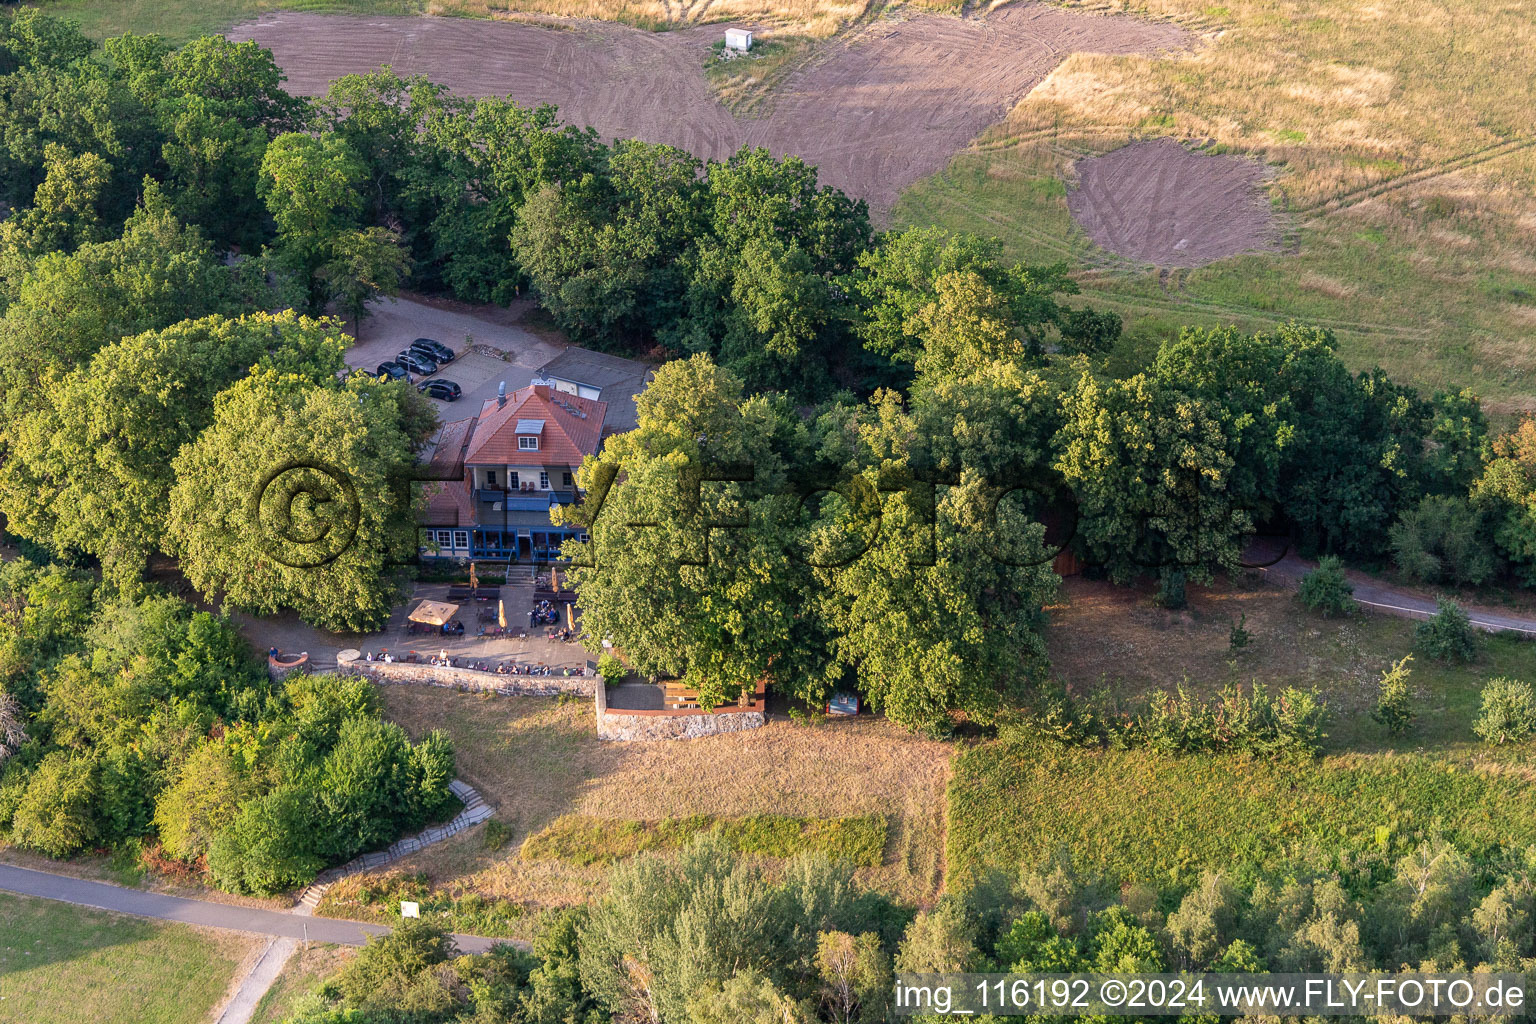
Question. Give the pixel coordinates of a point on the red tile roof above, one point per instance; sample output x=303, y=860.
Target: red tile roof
x=573, y=428
x=448, y=504
x=445, y=460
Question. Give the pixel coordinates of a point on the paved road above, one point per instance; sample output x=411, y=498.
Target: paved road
x=199, y=912
x=1290, y=568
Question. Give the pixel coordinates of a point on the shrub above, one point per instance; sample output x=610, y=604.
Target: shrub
x=1393, y=700
x=56, y=815
x=1250, y=720
x=610, y=668
x=393, y=977
x=497, y=835
x=1239, y=636
x=1394, y=703
x=267, y=848
x=204, y=799
x=1171, y=590
x=1448, y=636
x=1509, y=711
x=1326, y=589
x=1442, y=541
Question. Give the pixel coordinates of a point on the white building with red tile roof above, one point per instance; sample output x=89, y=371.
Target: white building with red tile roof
x=496, y=475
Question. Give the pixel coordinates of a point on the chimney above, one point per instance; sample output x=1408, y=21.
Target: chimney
x=501, y=394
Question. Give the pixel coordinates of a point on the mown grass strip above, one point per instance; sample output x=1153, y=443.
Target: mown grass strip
x=581, y=840
x=1137, y=815
x=71, y=965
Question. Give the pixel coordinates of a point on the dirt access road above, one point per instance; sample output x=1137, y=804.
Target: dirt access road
x=875, y=110
x=1275, y=559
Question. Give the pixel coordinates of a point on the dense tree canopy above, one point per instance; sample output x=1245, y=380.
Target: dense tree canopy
x=737, y=544
x=166, y=198
x=92, y=470
x=296, y=473
x=146, y=719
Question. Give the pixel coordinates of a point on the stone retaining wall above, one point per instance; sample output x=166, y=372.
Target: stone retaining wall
x=285, y=665
x=640, y=726
x=400, y=672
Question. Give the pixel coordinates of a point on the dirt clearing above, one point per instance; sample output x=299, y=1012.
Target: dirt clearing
x=875, y=110
x=1162, y=204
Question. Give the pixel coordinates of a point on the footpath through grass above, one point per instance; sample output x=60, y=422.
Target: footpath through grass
x=68, y=965
x=1140, y=816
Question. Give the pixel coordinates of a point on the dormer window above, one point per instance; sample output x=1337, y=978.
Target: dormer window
x=528, y=432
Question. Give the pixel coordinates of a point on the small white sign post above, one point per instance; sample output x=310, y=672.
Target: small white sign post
x=409, y=909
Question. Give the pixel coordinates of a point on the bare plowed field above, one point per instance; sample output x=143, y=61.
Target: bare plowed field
x=875, y=111
x=1158, y=202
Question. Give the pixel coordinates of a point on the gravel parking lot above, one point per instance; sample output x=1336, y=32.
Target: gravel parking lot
x=394, y=323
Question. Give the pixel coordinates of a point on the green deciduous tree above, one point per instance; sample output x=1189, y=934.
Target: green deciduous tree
x=855, y=976
x=1507, y=489
x=204, y=799
x=313, y=187
x=931, y=298
x=92, y=470
x=705, y=589
x=1155, y=473
x=66, y=306
x=269, y=846
x=1443, y=540
x=761, y=293
x=361, y=266
x=31, y=38
x=57, y=813
x=602, y=252
x=292, y=499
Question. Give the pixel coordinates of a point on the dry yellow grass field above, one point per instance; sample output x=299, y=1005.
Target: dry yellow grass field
x=535, y=759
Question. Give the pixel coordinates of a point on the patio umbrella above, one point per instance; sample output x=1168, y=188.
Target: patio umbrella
x=570, y=612
x=501, y=614
x=434, y=613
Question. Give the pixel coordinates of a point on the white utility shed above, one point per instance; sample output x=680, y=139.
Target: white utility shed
x=738, y=39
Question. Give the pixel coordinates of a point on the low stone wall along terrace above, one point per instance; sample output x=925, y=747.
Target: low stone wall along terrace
x=427, y=674
x=673, y=724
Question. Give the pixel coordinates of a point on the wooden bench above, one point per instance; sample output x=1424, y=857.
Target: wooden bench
x=679, y=697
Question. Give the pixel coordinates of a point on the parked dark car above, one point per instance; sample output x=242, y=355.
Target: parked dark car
x=433, y=350
x=390, y=369
x=437, y=387
x=416, y=363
